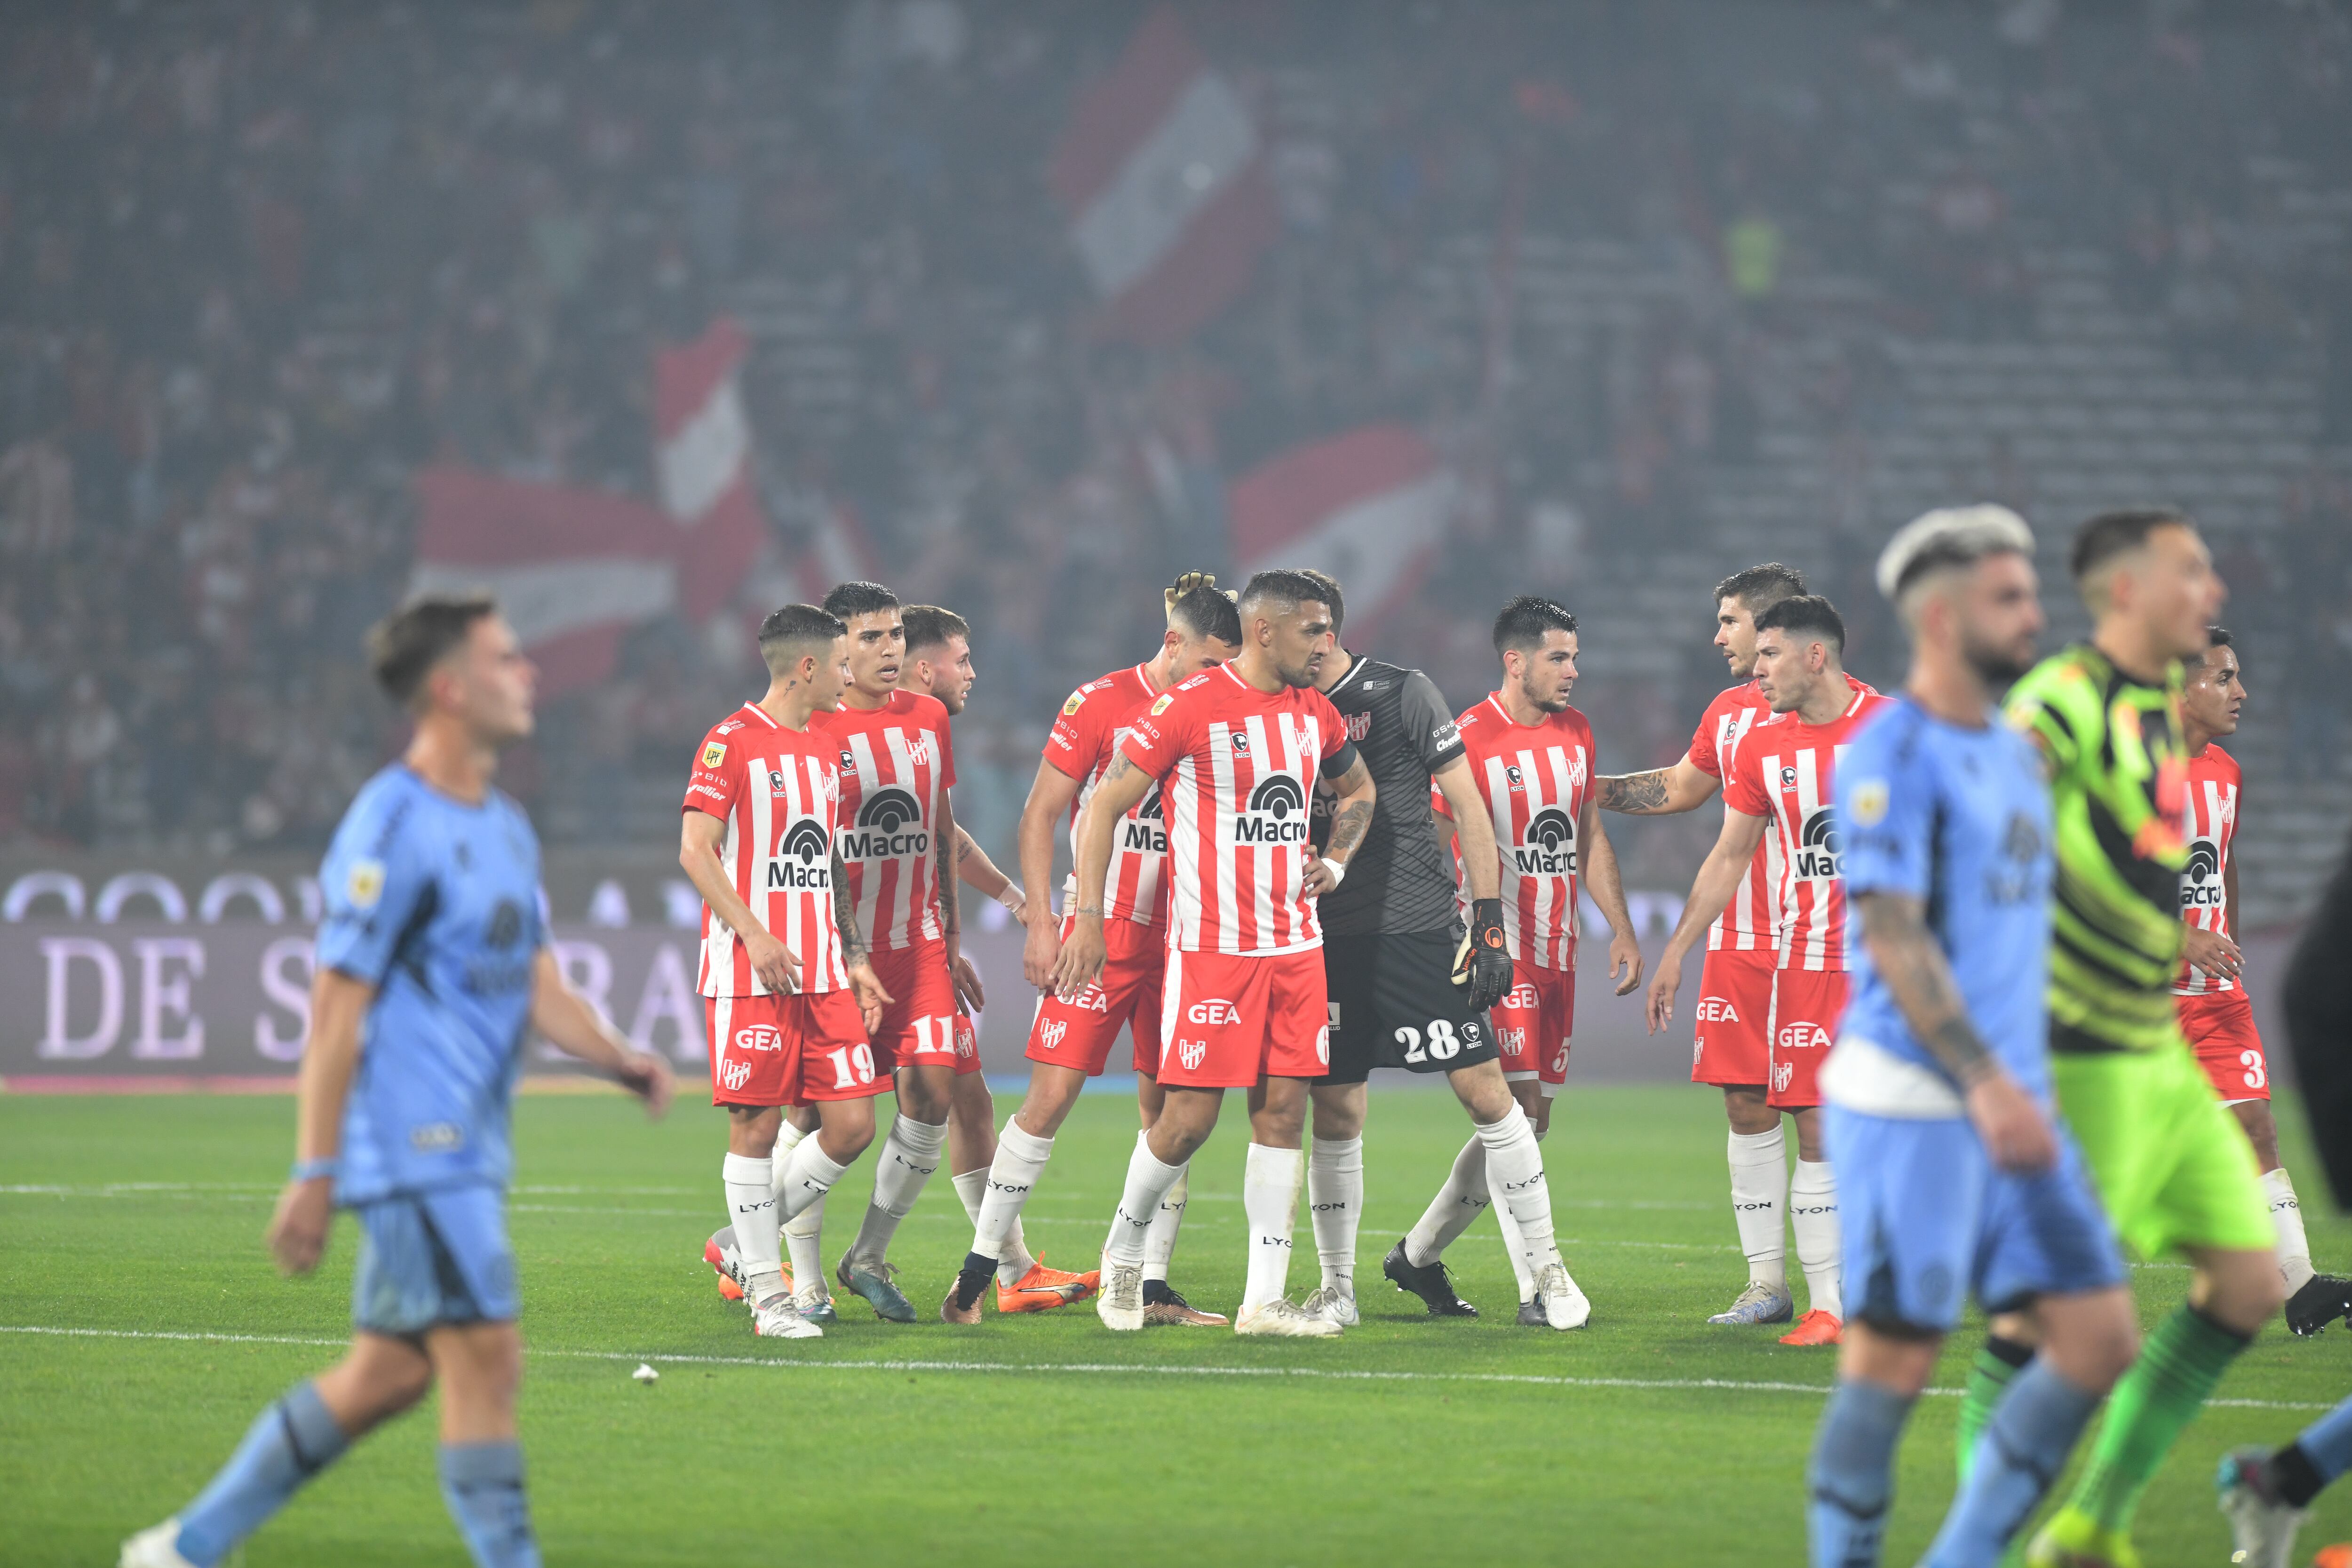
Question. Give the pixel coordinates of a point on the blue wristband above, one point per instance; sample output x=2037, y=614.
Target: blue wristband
x=312, y=1170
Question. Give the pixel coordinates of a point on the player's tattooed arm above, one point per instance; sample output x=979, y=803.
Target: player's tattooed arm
x=1661, y=792
x=1895, y=929
x=845, y=912
x=945, y=852
x=1351, y=815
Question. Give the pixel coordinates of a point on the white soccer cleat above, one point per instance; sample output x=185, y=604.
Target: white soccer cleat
x=1120, y=1305
x=777, y=1319
x=1333, y=1305
x=155, y=1547
x=1564, y=1306
x=2261, y=1527
x=814, y=1302
x=1758, y=1304
x=1284, y=1319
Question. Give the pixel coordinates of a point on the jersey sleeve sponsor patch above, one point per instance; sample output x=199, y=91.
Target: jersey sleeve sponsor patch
x=1161, y=706
x=1078, y=701
x=364, y=885
x=714, y=752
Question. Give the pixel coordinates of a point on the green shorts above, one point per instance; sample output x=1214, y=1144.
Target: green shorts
x=2172, y=1165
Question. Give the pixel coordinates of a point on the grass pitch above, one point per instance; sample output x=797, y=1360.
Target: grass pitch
x=142, y=1327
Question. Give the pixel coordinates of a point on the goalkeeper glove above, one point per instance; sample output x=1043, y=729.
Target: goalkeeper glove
x=1482, y=963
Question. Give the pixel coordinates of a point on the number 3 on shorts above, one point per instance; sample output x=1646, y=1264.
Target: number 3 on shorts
x=2252, y=1062
x=852, y=1066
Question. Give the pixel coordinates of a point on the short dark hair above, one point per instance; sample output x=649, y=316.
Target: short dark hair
x=1526, y=619
x=850, y=600
x=1761, y=588
x=1285, y=585
x=1333, y=593
x=2113, y=533
x=2217, y=636
x=928, y=625
x=404, y=646
x=1206, y=612
x=1807, y=613
x=789, y=631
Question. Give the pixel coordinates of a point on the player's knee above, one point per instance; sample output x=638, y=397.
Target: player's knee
x=751, y=1133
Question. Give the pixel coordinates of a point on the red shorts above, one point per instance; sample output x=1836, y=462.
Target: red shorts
x=789, y=1051
x=918, y=1026
x=1227, y=1020
x=2220, y=1029
x=1080, y=1033
x=1806, y=1006
x=1533, y=1021
x=1730, y=1044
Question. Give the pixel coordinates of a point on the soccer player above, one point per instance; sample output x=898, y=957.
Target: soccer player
x=1955, y=1174
x=1235, y=753
x=1518, y=801
x=1781, y=781
x=433, y=965
x=1731, y=1048
x=2171, y=1164
x=2214, y=1012
x=1070, y=1038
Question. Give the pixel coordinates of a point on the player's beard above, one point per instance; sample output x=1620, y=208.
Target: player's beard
x=1998, y=667
x=1556, y=703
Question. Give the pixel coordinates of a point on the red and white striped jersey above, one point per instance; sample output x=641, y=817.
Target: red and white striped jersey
x=1535, y=780
x=1785, y=769
x=1084, y=740
x=777, y=791
x=1746, y=922
x=896, y=763
x=1236, y=768
x=2210, y=823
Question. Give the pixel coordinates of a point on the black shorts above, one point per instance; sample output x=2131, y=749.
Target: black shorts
x=1394, y=1005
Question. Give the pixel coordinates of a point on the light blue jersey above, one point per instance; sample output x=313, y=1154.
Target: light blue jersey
x=1959, y=819
x=436, y=903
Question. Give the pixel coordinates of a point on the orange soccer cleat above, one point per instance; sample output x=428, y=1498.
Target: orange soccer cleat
x=720, y=1254
x=1042, y=1289
x=1815, y=1328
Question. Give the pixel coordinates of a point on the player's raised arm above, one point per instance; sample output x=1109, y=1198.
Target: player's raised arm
x=1608, y=889
x=559, y=1012
x=1717, y=879
x=1050, y=795
x=1124, y=785
x=1661, y=792
x=1351, y=818
x=699, y=836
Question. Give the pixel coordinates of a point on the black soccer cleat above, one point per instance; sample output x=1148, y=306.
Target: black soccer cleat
x=1429, y=1281
x=2322, y=1298
x=1531, y=1314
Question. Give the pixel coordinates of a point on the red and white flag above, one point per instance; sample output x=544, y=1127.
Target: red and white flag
x=1162, y=175
x=702, y=456
x=573, y=568
x=1368, y=507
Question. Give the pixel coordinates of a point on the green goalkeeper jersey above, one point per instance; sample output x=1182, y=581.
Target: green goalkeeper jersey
x=2118, y=776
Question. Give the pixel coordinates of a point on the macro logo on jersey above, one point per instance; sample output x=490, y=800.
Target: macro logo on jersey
x=777, y=794
x=882, y=833
x=1276, y=813
x=1786, y=772
x=898, y=763
x=1146, y=831
x=2201, y=882
x=1817, y=849
x=1536, y=782
x=1549, y=848
x=804, y=859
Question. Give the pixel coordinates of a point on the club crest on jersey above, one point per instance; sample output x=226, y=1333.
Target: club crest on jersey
x=1050, y=1036
x=1783, y=1075
x=1359, y=726
x=1276, y=813
x=1548, y=847
x=735, y=1075
x=804, y=859
x=1511, y=1041
x=1817, y=852
x=1191, y=1053
x=889, y=826
x=714, y=753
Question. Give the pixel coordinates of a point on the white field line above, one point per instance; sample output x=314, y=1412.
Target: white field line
x=171, y=1189
x=1096, y=1369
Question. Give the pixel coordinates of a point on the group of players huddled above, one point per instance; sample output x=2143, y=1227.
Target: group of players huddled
x=1294, y=864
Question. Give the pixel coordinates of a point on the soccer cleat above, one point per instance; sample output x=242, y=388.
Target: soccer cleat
x=1284, y=1319
x=777, y=1319
x=1338, y=1307
x=2322, y=1298
x=1564, y=1306
x=1120, y=1305
x=1531, y=1314
x=155, y=1547
x=1433, y=1282
x=728, y=1264
x=2261, y=1526
x=1162, y=1306
x=889, y=1302
x=1760, y=1303
x=814, y=1302
x=962, y=1303
x=1042, y=1289
x=2072, y=1540
x=1816, y=1327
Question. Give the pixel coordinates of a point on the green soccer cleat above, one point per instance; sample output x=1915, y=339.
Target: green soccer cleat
x=889, y=1302
x=2074, y=1539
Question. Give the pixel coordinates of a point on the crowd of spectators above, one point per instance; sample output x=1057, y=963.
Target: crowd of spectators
x=259, y=262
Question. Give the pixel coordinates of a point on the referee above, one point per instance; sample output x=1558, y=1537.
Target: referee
x=1406, y=990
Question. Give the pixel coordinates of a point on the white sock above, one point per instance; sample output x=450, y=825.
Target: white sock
x=910, y=1154
x=1514, y=1248
x=1759, y=1192
x=1270, y=1200
x=804, y=1239
x=1334, y=1197
x=1006, y=1187
x=1514, y=1176
x=780, y=1158
x=972, y=1188
x=1456, y=1207
x=753, y=1201
x=1160, y=1241
x=1148, y=1181
x=1812, y=1209
x=810, y=1177
x=2287, y=1213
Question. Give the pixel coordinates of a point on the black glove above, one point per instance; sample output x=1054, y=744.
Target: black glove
x=1483, y=963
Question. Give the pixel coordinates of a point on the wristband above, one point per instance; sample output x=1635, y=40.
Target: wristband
x=1010, y=899
x=1338, y=870
x=312, y=1170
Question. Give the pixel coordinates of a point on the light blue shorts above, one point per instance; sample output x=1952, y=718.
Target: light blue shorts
x=433, y=1257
